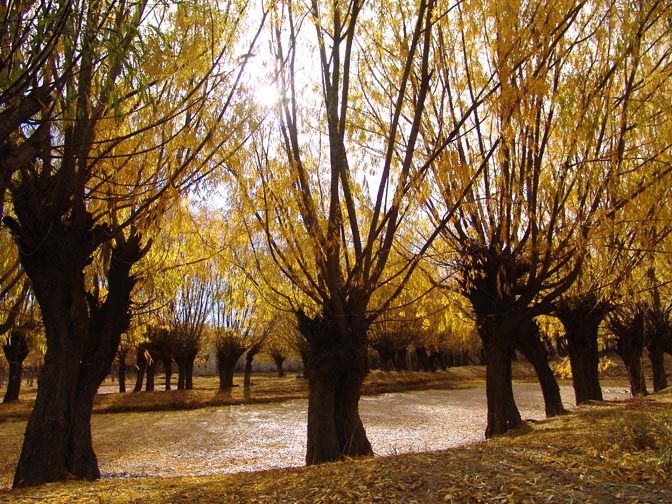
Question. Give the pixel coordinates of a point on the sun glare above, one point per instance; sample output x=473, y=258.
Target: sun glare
x=266, y=95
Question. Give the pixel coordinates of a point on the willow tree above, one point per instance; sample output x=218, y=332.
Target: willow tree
x=121, y=131
x=529, y=195
x=628, y=142
x=354, y=78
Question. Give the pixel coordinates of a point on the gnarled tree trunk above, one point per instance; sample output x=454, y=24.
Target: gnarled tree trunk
x=335, y=372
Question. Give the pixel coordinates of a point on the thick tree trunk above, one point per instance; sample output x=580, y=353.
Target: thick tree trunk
x=336, y=371
x=528, y=341
x=181, y=372
x=226, y=365
x=228, y=353
x=121, y=359
x=503, y=413
x=225, y=372
x=247, y=375
x=16, y=350
x=657, y=333
x=581, y=320
x=46, y=447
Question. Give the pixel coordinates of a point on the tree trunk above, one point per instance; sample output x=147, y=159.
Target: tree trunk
x=631, y=348
x=181, y=372
x=279, y=361
x=122, y=376
x=121, y=359
x=657, y=330
x=336, y=371
x=16, y=350
x=581, y=319
x=189, y=371
x=503, y=413
x=657, y=357
x=247, y=376
x=528, y=341
x=229, y=351
x=140, y=367
x=168, y=369
x=151, y=372
x=226, y=364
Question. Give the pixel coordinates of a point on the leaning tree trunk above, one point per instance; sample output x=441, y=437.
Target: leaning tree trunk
x=581, y=319
x=16, y=350
x=335, y=371
x=249, y=358
x=528, y=341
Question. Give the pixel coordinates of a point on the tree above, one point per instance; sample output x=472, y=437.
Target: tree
x=515, y=231
x=539, y=162
x=332, y=200
x=120, y=132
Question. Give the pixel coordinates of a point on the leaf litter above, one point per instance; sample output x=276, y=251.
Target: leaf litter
x=616, y=451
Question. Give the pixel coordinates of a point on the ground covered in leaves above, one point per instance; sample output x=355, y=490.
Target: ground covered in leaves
x=610, y=452
x=616, y=451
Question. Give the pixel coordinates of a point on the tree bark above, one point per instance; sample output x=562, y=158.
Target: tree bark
x=189, y=371
x=121, y=360
x=150, y=373
x=657, y=340
x=528, y=341
x=83, y=335
x=503, y=413
x=631, y=347
x=335, y=372
x=181, y=373
x=657, y=357
x=581, y=318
